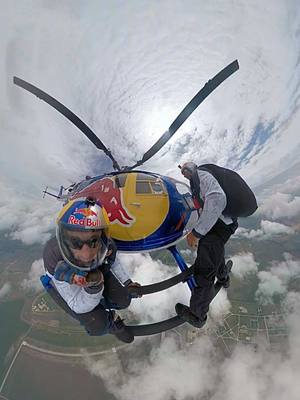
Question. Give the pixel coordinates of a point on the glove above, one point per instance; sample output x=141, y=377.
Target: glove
x=94, y=278
x=66, y=273
x=94, y=282
x=130, y=284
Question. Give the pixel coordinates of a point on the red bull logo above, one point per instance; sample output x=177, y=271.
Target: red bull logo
x=87, y=212
x=87, y=222
x=111, y=198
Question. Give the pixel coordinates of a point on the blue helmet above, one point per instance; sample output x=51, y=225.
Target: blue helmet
x=82, y=215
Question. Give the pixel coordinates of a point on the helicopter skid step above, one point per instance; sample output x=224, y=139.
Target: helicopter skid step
x=165, y=325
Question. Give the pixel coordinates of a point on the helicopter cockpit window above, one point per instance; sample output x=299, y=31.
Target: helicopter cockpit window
x=157, y=187
x=143, y=187
x=149, y=184
x=145, y=177
x=120, y=180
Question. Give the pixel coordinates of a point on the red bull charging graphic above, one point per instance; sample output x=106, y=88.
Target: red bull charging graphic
x=111, y=198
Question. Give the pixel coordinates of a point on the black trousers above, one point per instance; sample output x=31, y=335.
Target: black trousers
x=210, y=264
x=99, y=321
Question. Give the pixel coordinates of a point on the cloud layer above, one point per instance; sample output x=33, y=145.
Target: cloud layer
x=197, y=371
x=275, y=281
x=4, y=290
x=244, y=264
x=128, y=70
x=281, y=205
x=32, y=283
x=129, y=87
x=266, y=231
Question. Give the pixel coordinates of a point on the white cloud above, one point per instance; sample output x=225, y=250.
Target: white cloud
x=5, y=289
x=280, y=205
x=243, y=265
x=32, y=234
x=276, y=280
x=167, y=373
x=274, y=228
x=219, y=307
x=266, y=231
x=269, y=285
x=156, y=306
x=290, y=186
x=248, y=233
x=32, y=283
x=26, y=218
x=159, y=306
x=188, y=253
x=197, y=371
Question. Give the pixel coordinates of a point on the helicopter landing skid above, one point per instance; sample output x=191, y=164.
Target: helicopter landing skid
x=171, y=323
x=162, y=326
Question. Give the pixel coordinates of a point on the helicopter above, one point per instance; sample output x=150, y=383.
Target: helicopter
x=147, y=211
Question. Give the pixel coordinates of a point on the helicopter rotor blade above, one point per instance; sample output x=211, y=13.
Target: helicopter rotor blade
x=69, y=115
x=208, y=88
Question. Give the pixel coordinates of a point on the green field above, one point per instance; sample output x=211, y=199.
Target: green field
x=71, y=341
x=12, y=328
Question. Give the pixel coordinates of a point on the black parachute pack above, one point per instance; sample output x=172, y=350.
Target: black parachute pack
x=241, y=201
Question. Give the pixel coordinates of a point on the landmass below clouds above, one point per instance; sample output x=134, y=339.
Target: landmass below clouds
x=196, y=371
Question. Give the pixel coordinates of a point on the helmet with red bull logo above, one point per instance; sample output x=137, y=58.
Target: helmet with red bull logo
x=83, y=215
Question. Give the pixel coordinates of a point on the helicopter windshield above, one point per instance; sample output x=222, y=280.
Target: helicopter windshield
x=120, y=180
x=147, y=184
x=182, y=188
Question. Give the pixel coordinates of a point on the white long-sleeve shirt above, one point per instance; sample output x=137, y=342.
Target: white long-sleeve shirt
x=77, y=298
x=215, y=202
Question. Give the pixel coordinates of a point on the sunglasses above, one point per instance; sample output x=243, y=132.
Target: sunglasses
x=77, y=244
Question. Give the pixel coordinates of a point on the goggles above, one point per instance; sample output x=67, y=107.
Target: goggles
x=69, y=241
x=77, y=244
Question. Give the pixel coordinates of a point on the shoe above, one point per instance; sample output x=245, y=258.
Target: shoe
x=224, y=282
x=121, y=331
x=185, y=313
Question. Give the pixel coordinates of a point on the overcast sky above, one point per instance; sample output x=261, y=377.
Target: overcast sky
x=127, y=69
